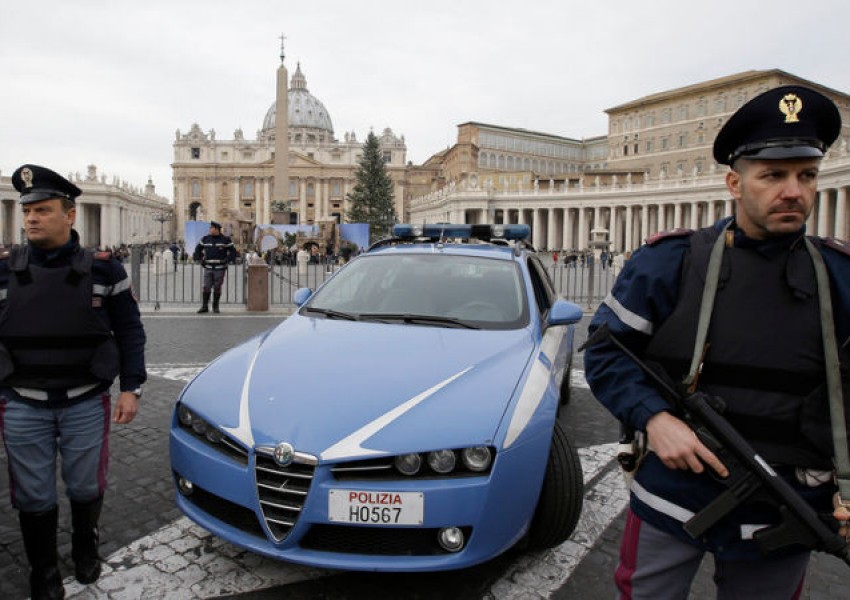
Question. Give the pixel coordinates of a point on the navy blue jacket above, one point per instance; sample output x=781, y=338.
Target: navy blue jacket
x=642, y=298
x=215, y=252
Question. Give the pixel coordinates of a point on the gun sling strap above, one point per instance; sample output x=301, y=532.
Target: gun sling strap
x=830, y=349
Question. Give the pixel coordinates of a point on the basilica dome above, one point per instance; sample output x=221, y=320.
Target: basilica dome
x=305, y=110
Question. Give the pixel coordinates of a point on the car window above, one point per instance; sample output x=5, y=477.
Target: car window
x=544, y=292
x=486, y=291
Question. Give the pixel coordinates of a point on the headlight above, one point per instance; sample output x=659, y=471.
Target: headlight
x=214, y=435
x=441, y=461
x=185, y=415
x=408, y=464
x=476, y=459
x=199, y=426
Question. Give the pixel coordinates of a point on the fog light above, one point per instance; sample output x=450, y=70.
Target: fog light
x=451, y=539
x=184, y=486
x=441, y=461
x=408, y=464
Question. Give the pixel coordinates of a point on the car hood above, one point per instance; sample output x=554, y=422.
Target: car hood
x=340, y=389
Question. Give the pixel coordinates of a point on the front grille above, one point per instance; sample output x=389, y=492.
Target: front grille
x=386, y=541
x=282, y=490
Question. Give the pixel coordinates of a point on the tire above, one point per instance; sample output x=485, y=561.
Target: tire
x=561, y=498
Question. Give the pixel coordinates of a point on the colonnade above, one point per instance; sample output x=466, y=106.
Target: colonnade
x=625, y=215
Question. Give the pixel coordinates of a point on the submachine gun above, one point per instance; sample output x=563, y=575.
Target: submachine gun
x=750, y=477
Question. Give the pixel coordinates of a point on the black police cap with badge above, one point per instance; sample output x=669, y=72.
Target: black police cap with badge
x=37, y=183
x=789, y=121
x=215, y=224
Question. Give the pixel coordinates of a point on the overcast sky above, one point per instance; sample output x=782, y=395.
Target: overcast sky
x=108, y=83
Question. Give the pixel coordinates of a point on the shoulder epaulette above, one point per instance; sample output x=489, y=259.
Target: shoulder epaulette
x=836, y=244
x=671, y=233
x=103, y=255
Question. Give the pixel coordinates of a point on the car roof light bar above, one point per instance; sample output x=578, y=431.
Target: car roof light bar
x=443, y=231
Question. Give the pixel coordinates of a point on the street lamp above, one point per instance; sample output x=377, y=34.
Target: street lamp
x=161, y=217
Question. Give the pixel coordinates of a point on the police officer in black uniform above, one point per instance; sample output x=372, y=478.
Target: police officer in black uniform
x=765, y=355
x=214, y=252
x=69, y=325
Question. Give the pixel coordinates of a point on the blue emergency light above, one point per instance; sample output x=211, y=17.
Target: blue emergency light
x=455, y=231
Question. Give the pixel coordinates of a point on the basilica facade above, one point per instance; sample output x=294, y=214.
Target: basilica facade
x=232, y=181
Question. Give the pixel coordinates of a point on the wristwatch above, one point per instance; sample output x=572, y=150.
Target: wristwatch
x=137, y=391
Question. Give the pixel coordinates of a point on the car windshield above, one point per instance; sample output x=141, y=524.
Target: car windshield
x=426, y=289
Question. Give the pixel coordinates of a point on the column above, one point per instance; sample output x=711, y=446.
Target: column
x=694, y=224
x=213, y=201
x=644, y=224
x=823, y=201
x=612, y=228
x=568, y=239
x=629, y=229
x=842, y=227
x=677, y=215
x=552, y=241
x=302, y=201
x=582, y=229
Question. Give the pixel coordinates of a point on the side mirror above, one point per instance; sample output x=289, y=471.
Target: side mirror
x=301, y=296
x=564, y=313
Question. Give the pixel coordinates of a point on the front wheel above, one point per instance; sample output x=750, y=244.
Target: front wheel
x=562, y=496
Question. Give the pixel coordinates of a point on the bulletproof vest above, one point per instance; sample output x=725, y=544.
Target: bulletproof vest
x=765, y=349
x=50, y=336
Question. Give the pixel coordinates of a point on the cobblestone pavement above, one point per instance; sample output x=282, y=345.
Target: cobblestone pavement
x=154, y=552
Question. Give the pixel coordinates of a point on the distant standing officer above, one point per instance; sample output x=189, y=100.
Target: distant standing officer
x=69, y=325
x=214, y=252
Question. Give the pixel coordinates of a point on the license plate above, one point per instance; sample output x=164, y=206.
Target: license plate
x=376, y=508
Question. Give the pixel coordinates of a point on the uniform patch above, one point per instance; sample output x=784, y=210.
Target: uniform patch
x=670, y=233
x=103, y=255
x=836, y=244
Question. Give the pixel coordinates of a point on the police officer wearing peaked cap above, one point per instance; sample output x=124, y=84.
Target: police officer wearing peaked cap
x=69, y=325
x=764, y=356
x=215, y=251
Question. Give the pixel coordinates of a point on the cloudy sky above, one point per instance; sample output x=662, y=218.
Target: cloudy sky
x=109, y=83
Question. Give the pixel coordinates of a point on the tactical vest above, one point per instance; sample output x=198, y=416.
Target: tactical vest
x=765, y=354
x=50, y=336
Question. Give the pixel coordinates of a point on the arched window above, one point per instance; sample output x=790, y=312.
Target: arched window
x=482, y=159
x=510, y=163
x=501, y=162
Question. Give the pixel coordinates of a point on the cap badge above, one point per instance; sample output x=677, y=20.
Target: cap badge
x=26, y=177
x=791, y=105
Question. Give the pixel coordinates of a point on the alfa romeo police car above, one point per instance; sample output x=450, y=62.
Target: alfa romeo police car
x=404, y=418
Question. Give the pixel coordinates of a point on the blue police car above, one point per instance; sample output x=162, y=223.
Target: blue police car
x=404, y=418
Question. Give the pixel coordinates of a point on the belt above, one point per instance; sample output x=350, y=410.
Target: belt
x=42, y=395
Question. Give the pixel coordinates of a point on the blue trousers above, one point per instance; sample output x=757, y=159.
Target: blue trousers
x=213, y=279
x=35, y=437
x=655, y=565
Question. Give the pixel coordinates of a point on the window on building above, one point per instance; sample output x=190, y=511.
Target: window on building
x=665, y=143
x=683, y=140
x=293, y=189
x=388, y=156
x=683, y=112
x=501, y=162
x=248, y=189
x=196, y=189
x=636, y=148
x=247, y=155
x=309, y=155
x=510, y=163
x=648, y=146
x=666, y=115
x=482, y=159
x=196, y=153
x=335, y=188
x=626, y=150
x=225, y=156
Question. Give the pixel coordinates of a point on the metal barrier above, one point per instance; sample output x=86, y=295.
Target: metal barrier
x=180, y=283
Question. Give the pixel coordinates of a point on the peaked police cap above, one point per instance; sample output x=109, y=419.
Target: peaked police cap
x=789, y=121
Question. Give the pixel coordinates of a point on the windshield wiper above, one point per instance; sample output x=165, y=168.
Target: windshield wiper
x=332, y=314
x=411, y=318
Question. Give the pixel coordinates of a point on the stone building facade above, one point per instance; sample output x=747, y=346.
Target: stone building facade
x=110, y=212
x=654, y=171
x=233, y=180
